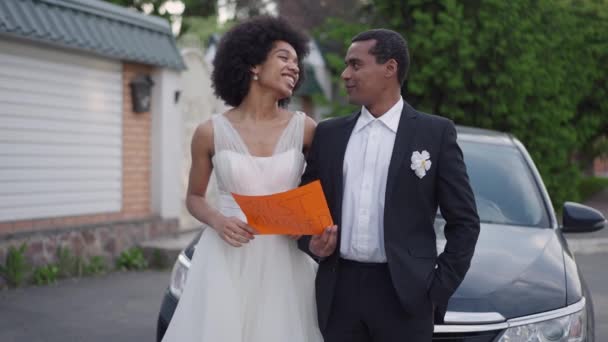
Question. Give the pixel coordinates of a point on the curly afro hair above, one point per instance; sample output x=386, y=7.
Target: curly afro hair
x=247, y=45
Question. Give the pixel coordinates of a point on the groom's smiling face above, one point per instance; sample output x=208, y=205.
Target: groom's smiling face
x=363, y=76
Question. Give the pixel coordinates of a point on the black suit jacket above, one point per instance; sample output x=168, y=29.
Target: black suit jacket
x=418, y=274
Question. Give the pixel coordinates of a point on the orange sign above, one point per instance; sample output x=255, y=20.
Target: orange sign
x=301, y=211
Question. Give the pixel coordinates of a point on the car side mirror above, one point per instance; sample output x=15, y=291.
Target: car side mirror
x=578, y=218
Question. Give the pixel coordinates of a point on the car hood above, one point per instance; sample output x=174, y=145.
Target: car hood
x=515, y=271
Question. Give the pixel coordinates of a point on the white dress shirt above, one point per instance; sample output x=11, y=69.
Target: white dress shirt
x=365, y=170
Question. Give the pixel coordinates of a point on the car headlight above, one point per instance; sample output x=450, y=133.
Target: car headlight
x=179, y=274
x=569, y=328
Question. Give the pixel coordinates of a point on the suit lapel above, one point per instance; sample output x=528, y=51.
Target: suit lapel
x=404, y=141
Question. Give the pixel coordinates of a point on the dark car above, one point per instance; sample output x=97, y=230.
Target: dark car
x=523, y=284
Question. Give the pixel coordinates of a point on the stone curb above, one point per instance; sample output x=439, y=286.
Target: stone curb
x=163, y=252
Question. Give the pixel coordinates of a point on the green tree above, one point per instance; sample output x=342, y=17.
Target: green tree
x=196, y=12
x=153, y=7
x=192, y=9
x=532, y=68
x=592, y=113
x=200, y=29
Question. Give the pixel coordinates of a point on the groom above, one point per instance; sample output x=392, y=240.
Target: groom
x=385, y=170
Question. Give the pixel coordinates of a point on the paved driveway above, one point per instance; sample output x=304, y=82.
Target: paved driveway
x=123, y=307
x=117, y=307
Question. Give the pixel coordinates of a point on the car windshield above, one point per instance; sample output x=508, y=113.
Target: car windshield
x=504, y=186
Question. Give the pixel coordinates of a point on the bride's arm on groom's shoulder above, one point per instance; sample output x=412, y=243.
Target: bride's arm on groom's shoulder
x=310, y=150
x=310, y=172
x=310, y=129
x=230, y=229
x=318, y=246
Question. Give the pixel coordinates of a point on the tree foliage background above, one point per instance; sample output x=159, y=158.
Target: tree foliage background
x=536, y=69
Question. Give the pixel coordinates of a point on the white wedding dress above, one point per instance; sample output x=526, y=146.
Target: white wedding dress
x=263, y=291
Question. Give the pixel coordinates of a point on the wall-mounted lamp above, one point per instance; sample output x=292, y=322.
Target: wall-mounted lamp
x=140, y=93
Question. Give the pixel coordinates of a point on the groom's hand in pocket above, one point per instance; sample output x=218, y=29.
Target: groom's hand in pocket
x=324, y=245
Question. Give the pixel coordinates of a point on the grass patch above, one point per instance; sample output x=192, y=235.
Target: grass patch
x=46, y=275
x=132, y=259
x=16, y=268
x=17, y=271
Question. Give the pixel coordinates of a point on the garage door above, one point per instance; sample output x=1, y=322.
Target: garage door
x=60, y=133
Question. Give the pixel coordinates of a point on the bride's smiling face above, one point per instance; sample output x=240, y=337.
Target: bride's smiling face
x=279, y=72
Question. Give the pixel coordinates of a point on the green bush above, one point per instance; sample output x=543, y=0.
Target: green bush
x=69, y=265
x=45, y=275
x=96, y=266
x=131, y=259
x=590, y=186
x=536, y=69
x=16, y=268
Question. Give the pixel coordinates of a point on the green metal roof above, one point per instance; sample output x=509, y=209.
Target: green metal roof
x=93, y=26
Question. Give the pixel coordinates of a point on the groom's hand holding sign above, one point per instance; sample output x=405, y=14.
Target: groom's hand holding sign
x=323, y=245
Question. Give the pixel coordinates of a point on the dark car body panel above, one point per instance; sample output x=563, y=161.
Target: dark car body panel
x=574, y=286
x=534, y=274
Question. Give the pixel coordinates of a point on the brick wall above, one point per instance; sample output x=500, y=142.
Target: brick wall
x=107, y=240
x=136, y=150
x=103, y=234
x=136, y=171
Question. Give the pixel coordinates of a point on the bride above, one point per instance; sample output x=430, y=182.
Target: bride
x=244, y=287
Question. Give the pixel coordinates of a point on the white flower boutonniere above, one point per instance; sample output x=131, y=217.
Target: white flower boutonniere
x=421, y=163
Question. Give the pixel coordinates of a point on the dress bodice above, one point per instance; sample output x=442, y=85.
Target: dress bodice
x=238, y=171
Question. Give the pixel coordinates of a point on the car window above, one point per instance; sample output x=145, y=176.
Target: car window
x=504, y=186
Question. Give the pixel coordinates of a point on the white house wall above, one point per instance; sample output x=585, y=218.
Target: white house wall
x=166, y=194
x=60, y=133
x=197, y=104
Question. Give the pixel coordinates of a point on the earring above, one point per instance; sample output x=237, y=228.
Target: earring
x=255, y=77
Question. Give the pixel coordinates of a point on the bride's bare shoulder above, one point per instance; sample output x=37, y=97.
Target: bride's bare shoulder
x=202, y=139
x=310, y=125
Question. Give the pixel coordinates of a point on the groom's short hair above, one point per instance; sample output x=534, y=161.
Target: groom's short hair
x=389, y=45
